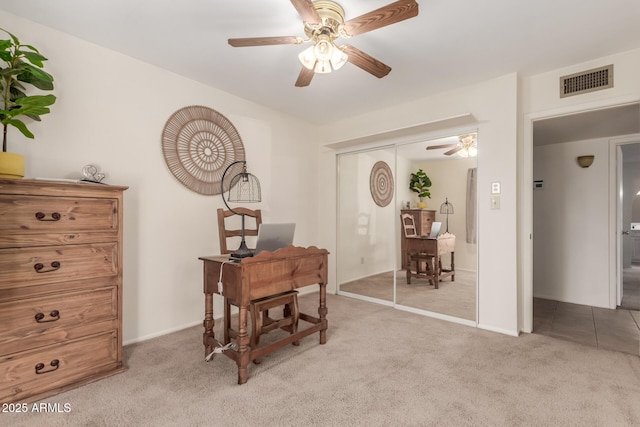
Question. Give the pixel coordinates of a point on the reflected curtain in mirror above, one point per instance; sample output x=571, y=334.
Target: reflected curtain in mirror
x=472, y=174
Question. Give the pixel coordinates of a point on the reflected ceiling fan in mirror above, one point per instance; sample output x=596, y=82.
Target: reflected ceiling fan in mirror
x=323, y=24
x=465, y=147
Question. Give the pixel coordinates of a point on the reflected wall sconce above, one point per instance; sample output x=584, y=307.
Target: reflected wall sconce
x=585, y=161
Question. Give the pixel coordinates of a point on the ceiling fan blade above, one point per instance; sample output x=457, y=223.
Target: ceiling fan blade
x=366, y=62
x=306, y=10
x=453, y=151
x=436, y=147
x=386, y=15
x=304, y=78
x=264, y=41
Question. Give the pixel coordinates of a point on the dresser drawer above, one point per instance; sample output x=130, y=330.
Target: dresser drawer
x=33, y=372
x=34, y=220
x=36, y=322
x=54, y=264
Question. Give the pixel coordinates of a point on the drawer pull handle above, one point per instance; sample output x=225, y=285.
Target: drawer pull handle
x=55, y=315
x=41, y=216
x=55, y=364
x=55, y=265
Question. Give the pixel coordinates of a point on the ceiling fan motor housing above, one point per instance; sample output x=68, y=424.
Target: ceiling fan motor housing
x=332, y=19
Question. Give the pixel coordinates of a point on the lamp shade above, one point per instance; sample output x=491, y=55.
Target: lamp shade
x=585, y=161
x=446, y=208
x=243, y=188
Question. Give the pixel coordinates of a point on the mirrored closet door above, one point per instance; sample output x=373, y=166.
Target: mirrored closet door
x=366, y=240
x=374, y=191
x=451, y=166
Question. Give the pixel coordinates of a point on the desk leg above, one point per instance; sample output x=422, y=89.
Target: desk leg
x=436, y=271
x=243, y=345
x=208, y=323
x=322, y=311
x=453, y=268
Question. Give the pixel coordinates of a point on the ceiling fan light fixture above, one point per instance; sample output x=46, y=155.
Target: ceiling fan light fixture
x=324, y=48
x=323, y=57
x=322, y=67
x=338, y=59
x=308, y=58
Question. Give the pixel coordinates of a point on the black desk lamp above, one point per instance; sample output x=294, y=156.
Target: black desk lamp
x=243, y=187
x=446, y=208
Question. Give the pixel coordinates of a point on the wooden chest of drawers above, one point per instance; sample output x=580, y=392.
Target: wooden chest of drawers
x=423, y=219
x=60, y=286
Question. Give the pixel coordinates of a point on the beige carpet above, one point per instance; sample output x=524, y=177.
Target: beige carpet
x=380, y=367
x=457, y=299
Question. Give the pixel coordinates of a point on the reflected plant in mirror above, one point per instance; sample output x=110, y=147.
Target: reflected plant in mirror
x=420, y=183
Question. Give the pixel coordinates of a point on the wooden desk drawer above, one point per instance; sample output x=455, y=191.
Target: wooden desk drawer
x=36, y=322
x=32, y=372
x=33, y=220
x=41, y=265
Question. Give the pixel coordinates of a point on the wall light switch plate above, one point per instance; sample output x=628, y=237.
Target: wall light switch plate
x=495, y=187
x=495, y=202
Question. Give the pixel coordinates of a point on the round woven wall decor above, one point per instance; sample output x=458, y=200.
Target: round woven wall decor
x=198, y=144
x=381, y=184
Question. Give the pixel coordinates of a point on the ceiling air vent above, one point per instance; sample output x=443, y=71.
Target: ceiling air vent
x=586, y=81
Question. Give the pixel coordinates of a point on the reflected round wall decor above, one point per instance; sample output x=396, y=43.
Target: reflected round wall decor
x=198, y=144
x=381, y=184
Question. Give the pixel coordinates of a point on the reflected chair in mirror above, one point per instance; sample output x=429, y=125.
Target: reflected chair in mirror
x=261, y=323
x=416, y=258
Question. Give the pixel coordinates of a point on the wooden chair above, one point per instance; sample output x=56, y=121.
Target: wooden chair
x=225, y=233
x=261, y=323
x=409, y=227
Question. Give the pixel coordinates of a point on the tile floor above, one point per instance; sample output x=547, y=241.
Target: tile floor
x=617, y=330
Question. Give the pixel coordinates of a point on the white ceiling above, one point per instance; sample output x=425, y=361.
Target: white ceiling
x=451, y=43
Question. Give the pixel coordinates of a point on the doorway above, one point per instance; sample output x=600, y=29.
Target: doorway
x=576, y=260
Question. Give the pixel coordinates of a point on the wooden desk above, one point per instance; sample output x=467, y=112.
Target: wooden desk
x=435, y=247
x=266, y=274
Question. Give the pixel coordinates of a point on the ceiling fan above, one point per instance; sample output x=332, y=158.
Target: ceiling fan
x=323, y=24
x=465, y=147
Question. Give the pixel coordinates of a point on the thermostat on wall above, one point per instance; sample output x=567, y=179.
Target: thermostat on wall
x=538, y=184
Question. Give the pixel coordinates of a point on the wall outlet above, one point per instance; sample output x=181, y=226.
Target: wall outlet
x=362, y=260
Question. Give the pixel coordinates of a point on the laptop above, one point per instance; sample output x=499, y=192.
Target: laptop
x=272, y=237
x=435, y=229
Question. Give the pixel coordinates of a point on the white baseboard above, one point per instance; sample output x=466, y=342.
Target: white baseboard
x=161, y=333
x=514, y=333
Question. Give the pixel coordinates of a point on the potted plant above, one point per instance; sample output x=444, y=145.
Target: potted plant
x=20, y=65
x=420, y=183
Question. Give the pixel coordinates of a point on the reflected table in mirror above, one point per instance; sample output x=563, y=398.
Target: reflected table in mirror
x=430, y=250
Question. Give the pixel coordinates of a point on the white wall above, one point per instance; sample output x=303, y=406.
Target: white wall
x=494, y=106
x=570, y=224
x=110, y=112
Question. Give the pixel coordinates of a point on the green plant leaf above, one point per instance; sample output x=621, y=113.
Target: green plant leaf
x=20, y=126
x=36, y=100
x=35, y=58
